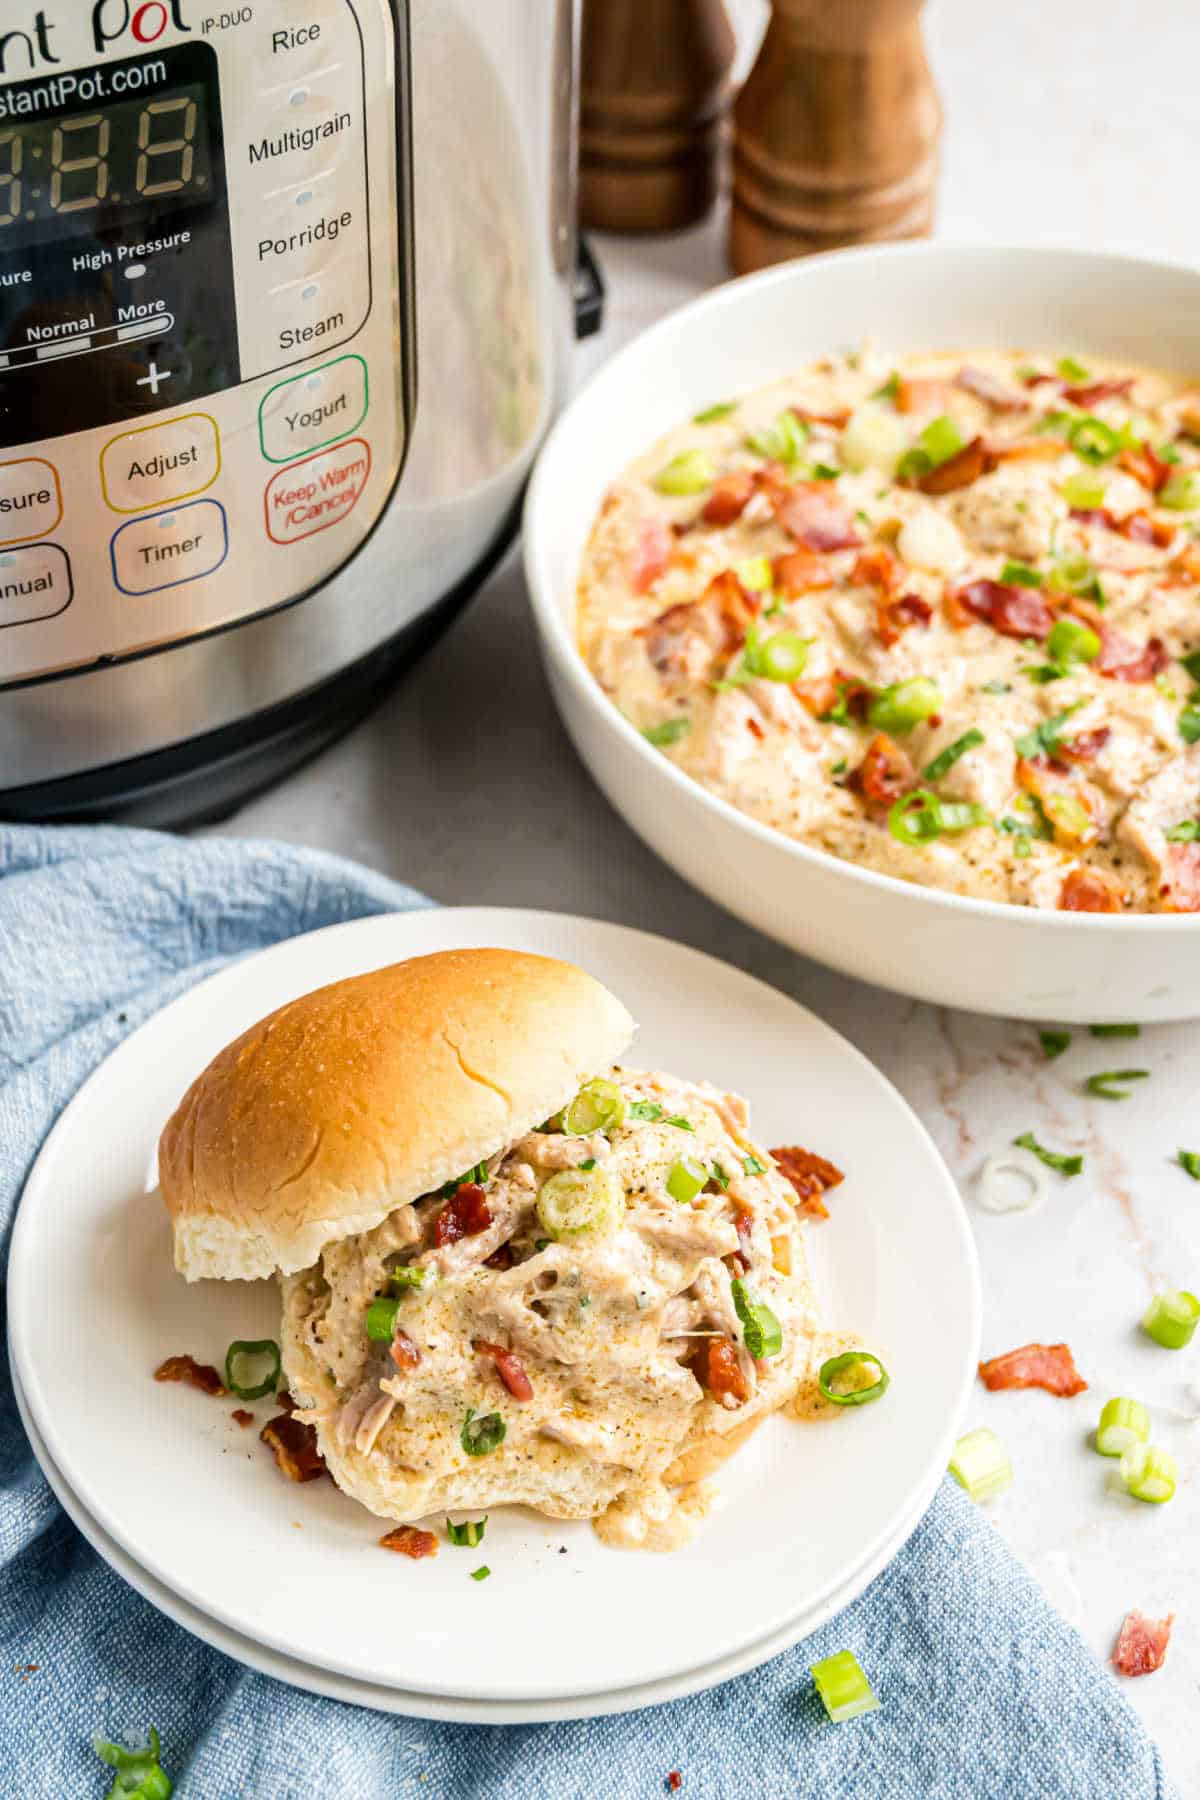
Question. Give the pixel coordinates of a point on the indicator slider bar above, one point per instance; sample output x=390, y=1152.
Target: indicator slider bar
x=78, y=345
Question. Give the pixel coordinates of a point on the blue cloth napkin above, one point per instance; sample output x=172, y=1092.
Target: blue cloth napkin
x=985, y=1690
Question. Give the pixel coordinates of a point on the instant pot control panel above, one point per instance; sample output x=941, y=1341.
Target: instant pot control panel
x=203, y=377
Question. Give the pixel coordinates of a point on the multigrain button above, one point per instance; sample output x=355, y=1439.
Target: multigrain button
x=161, y=463
x=30, y=499
x=35, y=583
x=165, y=549
x=316, y=493
x=309, y=411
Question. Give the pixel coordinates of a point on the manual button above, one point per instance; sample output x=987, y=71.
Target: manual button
x=166, y=549
x=35, y=583
x=155, y=464
x=309, y=411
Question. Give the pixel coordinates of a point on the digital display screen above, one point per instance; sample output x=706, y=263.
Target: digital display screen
x=66, y=174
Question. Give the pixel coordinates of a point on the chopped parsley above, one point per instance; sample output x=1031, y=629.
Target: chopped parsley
x=823, y=472
x=1054, y=1043
x=1053, y=1159
x=1115, y=1031
x=945, y=760
x=1189, y=1162
x=752, y=1165
x=839, y=767
x=589, y=1164
x=645, y=1109
x=720, y=1177
x=668, y=733
x=470, y=1532
x=478, y=1175
x=1104, y=1085
x=481, y=1573
x=1070, y=370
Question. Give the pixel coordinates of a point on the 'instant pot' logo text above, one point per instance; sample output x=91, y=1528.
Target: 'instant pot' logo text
x=23, y=51
x=139, y=21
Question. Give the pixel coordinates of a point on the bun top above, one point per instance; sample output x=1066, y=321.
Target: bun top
x=330, y=1113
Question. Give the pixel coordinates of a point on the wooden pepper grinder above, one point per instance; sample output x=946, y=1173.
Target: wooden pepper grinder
x=655, y=80
x=836, y=132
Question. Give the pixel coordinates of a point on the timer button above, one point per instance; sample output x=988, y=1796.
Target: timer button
x=155, y=464
x=30, y=499
x=35, y=583
x=164, y=550
x=309, y=411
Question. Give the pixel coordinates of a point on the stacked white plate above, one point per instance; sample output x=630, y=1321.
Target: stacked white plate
x=290, y=1579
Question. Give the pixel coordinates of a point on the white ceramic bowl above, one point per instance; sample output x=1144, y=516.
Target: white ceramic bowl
x=970, y=953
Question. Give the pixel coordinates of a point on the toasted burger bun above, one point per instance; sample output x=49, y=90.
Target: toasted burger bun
x=354, y=1100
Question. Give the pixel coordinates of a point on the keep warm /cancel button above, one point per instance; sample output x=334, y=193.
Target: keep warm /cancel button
x=311, y=495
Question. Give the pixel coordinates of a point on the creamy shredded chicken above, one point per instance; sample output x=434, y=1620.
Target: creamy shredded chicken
x=1015, y=534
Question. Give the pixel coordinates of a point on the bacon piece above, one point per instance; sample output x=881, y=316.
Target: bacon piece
x=798, y=571
x=1187, y=564
x=243, y=1417
x=509, y=1368
x=500, y=1259
x=1038, y=449
x=651, y=554
x=816, y=516
x=1121, y=660
x=404, y=1352
x=877, y=567
x=986, y=387
x=716, y=1367
x=958, y=471
x=409, y=1541
x=837, y=418
x=1180, y=893
x=1108, y=389
x=1018, y=612
x=1049, y=1366
x=284, y=1401
x=1145, y=467
x=810, y=1175
x=922, y=393
x=1089, y=890
x=197, y=1375
x=728, y=497
x=1141, y=528
x=735, y=606
x=1141, y=1646
x=1094, y=515
x=1048, y=781
x=465, y=1214
x=1085, y=747
x=885, y=772
x=294, y=1447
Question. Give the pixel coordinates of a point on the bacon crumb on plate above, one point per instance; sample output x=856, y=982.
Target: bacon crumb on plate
x=810, y=1175
x=294, y=1447
x=1141, y=1646
x=1049, y=1366
x=409, y=1541
x=243, y=1417
x=197, y=1375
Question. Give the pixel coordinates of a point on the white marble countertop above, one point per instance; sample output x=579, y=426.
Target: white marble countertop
x=1083, y=130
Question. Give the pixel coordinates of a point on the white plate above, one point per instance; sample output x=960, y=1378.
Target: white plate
x=95, y=1305
x=428, y=1706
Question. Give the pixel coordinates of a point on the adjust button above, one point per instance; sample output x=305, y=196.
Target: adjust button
x=317, y=492
x=30, y=499
x=160, y=463
x=165, y=549
x=309, y=411
x=35, y=583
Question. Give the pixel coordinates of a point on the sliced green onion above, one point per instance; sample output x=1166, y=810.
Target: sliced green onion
x=1191, y=663
x=1167, y=453
x=1068, y=815
x=782, y=657
x=469, y=1533
x=1084, y=492
x=581, y=1203
x=1070, y=370
x=481, y=1573
x=960, y=815
x=1149, y=1473
x=239, y=1379
x=1114, y=1031
x=1186, y=832
x=783, y=440
x=762, y=1333
x=1181, y=490
x=405, y=1277
x=478, y=1175
x=873, y=438
x=941, y=439
x=1043, y=740
x=1056, y=422
x=753, y=1166
x=981, y=1464
x=824, y=472
x=679, y=1122
x=1054, y=1043
x=1021, y=574
x=598, y=1106
x=479, y=1437
x=1104, y=1085
x=756, y=574
x=853, y=1379
x=1093, y=440
x=919, y=817
x=844, y=1689
x=1072, y=641
x=890, y=388
x=720, y=1177
x=589, y=1162
x=945, y=759
x=645, y=1109
x=1123, y=1423
x=381, y=1320
x=1189, y=1162
x=688, y=473
x=139, y=1774
x=1170, y=1319
x=904, y=704
x=710, y=415
x=1053, y=1159
x=685, y=1179
x=668, y=733
x=1189, y=721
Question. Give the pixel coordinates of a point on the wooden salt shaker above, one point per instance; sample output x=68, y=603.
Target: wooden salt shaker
x=654, y=87
x=836, y=132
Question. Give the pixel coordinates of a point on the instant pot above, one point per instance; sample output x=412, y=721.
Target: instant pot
x=287, y=295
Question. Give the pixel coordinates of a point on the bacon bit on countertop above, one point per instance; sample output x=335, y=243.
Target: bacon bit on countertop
x=885, y=772
x=465, y=1214
x=409, y=1541
x=197, y=1375
x=991, y=390
x=404, y=1352
x=816, y=516
x=716, y=1367
x=810, y=1175
x=728, y=498
x=651, y=555
x=1017, y=612
x=1145, y=467
x=294, y=1447
x=243, y=1417
x=1049, y=1366
x=958, y=471
x=509, y=1368
x=1089, y=890
x=1141, y=1646
x=1111, y=388
x=799, y=571
x=674, y=1781
x=1180, y=892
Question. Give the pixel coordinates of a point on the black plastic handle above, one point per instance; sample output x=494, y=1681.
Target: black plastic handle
x=589, y=291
